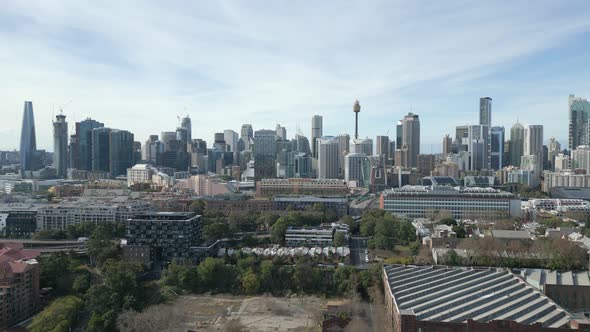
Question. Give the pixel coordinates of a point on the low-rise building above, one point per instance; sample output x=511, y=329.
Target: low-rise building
x=570, y=289
x=431, y=298
x=301, y=186
x=336, y=204
x=309, y=237
x=462, y=203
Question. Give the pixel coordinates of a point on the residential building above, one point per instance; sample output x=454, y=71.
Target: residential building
x=581, y=158
x=561, y=163
x=533, y=143
x=18, y=220
x=463, y=203
x=84, y=141
x=60, y=146
x=19, y=284
x=516, y=144
x=169, y=235
x=579, y=115
x=567, y=179
x=354, y=169
x=554, y=149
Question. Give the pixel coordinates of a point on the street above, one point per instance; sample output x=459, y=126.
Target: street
x=358, y=252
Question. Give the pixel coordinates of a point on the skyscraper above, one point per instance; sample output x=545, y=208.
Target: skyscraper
x=186, y=124
x=84, y=132
x=447, y=145
x=28, y=141
x=281, y=132
x=60, y=145
x=362, y=145
x=581, y=158
x=516, y=144
x=246, y=134
x=497, y=148
x=554, y=149
x=316, y=133
x=399, y=134
x=533, y=143
x=382, y=149
x=479, y=147
x=343, y=148
x=231, y=139
x=485, y=111
x=328, y=158
x=410, y=140
x=101, y=149
x=152, y=150
x=121, y=152
x=579, y=115
x=353, y=168
x=264, y=154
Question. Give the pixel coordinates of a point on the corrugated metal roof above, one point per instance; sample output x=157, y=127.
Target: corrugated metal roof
x=455, y=294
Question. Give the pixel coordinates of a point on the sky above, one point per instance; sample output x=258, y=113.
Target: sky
x=138, y=65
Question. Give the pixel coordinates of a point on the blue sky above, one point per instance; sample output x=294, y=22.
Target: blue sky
x=137, y=65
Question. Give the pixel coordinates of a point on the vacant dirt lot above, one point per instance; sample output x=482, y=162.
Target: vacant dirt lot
x=239, y=313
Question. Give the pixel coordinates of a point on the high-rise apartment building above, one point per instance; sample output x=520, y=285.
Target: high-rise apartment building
x=410, y=139
x=328, y=158
x=60, y=145
x=553, y=149
x=581, y=158
x=354, y=168
x=28, y=141
x=497, y=148
x=533, y=143
x=485, y=111
x=516, y=144
x=316, y=133
x=579, y=115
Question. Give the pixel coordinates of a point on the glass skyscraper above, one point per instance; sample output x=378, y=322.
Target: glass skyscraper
x=28, y=142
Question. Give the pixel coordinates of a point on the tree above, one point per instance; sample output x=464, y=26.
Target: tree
x=250, y=282
x=197, y=206
x=56, y=271
x=215, y=231
x=100, y=246
x=278, y=230
x=415, y=248
x=452, y=258
x=339, y=239
x=155, y=318
x=59, y=316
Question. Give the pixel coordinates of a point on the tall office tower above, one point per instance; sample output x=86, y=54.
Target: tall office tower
x=302, y=165
x=533, y=143
x=382, y=149
x=167, y=137
x=399, y=134
x=84, y=132
x=231, y=138
x=328, y=158
x=497, y=147
x=516, y=144
x=74, y=151
x=302, y=144
x=281, y=132
x=461, y=138
x=485, y=111
x=554, y=149
x=186, y=124
x=354, y=168
x=391, y=152
x=182, y=135
x=219, y=142
x=479, y=147
x=121, y=152
x=101, y=149
x=356, y=108
x=579, y=115
x=316, y=133
x=362, y=145
x=447, y=145
x=264, y=154
x=246, y=134
x=410, y=140
x=344, y=148
x=60, y=145
x=152, y=150
x=28, y=141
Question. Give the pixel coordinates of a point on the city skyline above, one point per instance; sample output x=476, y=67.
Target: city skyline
x=438, y=69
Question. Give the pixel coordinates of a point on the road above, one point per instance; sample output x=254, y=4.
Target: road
x=358, y=252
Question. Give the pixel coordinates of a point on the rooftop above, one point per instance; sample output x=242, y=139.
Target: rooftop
x=548, y=277
x=508, y=234
x=576, y=193
x=178, y=216
x=457, y=294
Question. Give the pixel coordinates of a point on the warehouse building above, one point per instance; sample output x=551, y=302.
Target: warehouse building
x=453, y=299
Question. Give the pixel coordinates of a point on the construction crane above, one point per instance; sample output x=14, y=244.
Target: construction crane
x=61, y=109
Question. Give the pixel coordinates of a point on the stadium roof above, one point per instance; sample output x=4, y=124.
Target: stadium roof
x=457, y=294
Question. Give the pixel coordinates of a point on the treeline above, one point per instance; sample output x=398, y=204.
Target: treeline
x=252, y=275
x=83, y=229
x=93, y=293
x=386, y=230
